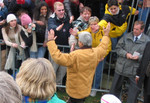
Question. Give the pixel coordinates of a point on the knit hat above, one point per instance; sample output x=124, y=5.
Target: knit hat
x=11, y=17
x=109, y=98
x=25, y=19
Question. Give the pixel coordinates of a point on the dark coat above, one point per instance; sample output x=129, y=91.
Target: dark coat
x=63, y=34
x=143, y=66
x=13, y=7
x=28, y=40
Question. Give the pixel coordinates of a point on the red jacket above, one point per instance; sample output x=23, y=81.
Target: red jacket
x=20, y=1
x=51, y=3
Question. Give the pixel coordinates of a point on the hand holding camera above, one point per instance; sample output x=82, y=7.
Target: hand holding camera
x=31, y=27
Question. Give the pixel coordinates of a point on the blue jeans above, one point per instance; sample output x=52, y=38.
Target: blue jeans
x=144, y=15
x=98, y=74
x=39, y=54
x=114, y=41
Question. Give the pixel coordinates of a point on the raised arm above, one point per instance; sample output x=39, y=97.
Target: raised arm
x=102, y=48
x=64, y=59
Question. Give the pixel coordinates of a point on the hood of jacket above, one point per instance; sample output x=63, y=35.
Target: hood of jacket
x=119, y=18
x=107, y=11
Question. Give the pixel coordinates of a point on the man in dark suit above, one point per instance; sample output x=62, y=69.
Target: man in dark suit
x=143, y=73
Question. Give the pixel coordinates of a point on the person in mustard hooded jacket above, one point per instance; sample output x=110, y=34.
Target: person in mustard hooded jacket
x=97, y=33
x=117, y=15
x=80, y=66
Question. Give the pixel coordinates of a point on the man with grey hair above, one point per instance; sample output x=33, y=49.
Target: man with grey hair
x=130, y=50
x=81, y=63
x=85, y=39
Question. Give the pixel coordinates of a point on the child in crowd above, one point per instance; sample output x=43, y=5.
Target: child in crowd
x=9, y=90
x=37, y=81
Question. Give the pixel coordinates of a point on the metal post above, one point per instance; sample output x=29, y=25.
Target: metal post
x=0, y=58
x=14, y=59
x=130, y=15
x=134, y=15
x=147, y=15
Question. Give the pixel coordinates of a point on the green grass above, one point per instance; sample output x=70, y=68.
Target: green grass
x=63, y=95
x=96, y=99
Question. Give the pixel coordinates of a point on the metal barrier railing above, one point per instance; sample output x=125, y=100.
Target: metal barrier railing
x=0, y=55
x=106, y=76
x=108, y=67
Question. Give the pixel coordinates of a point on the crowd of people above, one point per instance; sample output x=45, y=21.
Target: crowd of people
x=29, y=29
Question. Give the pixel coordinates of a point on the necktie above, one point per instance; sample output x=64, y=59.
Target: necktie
x=136, y=38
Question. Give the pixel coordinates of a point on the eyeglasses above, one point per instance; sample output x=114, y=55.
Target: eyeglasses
x=61, y=10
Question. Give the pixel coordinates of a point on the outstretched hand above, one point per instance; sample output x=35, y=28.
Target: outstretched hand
x=107, y=29
x=71, y=19
x=60, y=27
x=73, y=31
x=72, y=47
x=51, y=35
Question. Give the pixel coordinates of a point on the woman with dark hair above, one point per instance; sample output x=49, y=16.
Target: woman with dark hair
x=117, y=15
x=38, y=11
x=40, y=18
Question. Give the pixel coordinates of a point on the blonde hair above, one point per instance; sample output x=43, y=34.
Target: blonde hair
x=9, y=90
x=37, y=79
x=57, y=4
x=93, y=19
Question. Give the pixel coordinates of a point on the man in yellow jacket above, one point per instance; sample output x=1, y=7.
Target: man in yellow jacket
x=81, y=63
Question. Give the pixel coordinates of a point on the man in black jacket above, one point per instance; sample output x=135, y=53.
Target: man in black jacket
x=59, y=22
x=143, y=73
